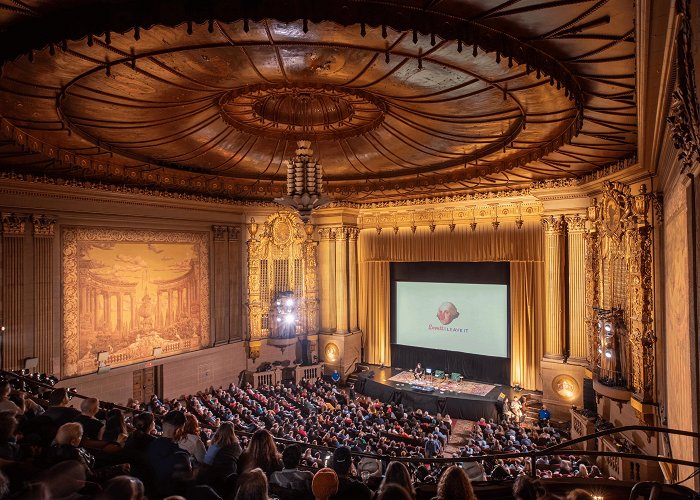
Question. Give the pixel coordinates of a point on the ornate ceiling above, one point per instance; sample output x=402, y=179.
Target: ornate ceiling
x=400, y=98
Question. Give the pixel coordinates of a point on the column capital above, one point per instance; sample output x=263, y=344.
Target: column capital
x=44, y=225
x=13, y=224
x=326, y=233
x=342, y=233
x=576, y=223
x=234, y=233
x=220, y=232
x=353, y=232
x=554, y=224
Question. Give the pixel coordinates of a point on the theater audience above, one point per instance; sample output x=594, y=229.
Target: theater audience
x=6, y=404
x=171, y=468
x=115, y=427
x=395, y=492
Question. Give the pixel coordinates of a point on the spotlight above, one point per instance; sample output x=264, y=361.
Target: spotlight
x=290, y=302
x=289, y=318
x=608, y=354
x=608, y=328
x=279, y=319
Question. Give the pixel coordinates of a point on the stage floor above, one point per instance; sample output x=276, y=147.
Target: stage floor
x=460, y=387
x=443, y=399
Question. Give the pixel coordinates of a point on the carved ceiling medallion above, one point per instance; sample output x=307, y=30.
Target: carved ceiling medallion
x=315, y=113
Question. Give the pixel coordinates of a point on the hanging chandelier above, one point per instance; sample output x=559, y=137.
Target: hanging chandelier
x=304, y=182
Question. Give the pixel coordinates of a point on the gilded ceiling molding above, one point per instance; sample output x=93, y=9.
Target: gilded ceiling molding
x=685, y=111
x=450, y=217
x=564, y=182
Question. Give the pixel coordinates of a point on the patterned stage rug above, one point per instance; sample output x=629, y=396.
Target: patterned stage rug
x=463, y=387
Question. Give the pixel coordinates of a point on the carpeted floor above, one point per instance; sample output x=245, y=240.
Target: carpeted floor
x=464, y=387
x=459, y=435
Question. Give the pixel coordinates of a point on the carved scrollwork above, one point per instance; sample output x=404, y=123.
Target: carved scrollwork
x=44, y=225
x=619, y=273
x=13, y=224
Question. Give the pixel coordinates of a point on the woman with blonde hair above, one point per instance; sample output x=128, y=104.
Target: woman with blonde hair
x=454, y=485
x=261, y=452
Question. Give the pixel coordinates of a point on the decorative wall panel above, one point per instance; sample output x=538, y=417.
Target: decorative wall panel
x=128, y=292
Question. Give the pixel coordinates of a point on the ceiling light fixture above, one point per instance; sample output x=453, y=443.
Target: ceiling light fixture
x=304, y=183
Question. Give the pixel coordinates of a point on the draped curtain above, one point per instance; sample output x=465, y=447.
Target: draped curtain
x=523, y=248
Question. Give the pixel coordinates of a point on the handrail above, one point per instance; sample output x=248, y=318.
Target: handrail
x=352, y=364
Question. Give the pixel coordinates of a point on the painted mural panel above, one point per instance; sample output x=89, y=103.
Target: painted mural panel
x=127, y=293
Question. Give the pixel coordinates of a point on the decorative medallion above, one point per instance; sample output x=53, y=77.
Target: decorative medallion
x=565, y=386
x=332, y=352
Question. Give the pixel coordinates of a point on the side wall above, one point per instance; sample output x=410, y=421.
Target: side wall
x=31, y=301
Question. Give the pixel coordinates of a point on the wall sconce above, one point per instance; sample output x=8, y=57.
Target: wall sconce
x=452, y=224
x=472, y=224
x=495, y=222
x=413, y=222
x=519, y=221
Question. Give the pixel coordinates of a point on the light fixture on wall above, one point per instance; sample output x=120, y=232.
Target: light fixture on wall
x=494, y=222
x=472, y=224
x=304, y=182
x=286, y=317
x=519, y=221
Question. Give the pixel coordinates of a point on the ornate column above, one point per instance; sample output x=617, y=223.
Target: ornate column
x=341, y=279
x=352, y=279
x=326, y=264
x=13, y=227
x=576, y=247
x=555, y=282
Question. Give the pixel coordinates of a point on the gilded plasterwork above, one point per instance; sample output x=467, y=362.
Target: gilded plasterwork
x=129, y=292
x=619, y=273
x=281, y=258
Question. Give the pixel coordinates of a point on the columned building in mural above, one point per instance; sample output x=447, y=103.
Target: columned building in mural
x=201, y=192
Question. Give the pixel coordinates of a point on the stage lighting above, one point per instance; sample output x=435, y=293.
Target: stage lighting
x=290, y=302
x=608, y=353
x=600, y=350
x=289, y=318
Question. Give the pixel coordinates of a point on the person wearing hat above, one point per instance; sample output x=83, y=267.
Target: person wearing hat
x=324, y=484
x=348, y=488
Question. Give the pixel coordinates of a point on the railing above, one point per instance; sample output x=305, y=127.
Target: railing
x=269, y=377
x=309, y=372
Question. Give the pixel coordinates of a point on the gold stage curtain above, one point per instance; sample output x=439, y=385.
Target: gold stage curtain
x=521, y=247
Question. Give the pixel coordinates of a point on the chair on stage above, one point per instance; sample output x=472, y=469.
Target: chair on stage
x=455, y=377
x=439, y=374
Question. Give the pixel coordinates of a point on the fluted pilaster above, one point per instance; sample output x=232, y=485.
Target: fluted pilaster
x=326, y=265
x=13, y=230
x=555, y=283
x=235, y=283
x=44, y=228
x=220, y=295
x=352, y=279
x=341, y=279
x=576, y=248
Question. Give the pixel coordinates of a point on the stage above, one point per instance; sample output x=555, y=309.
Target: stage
x=446, y=398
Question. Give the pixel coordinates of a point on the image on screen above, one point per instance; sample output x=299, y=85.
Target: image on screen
x=462, y=317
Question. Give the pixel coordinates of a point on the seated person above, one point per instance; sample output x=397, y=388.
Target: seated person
x=291, y=477
x=418, y=372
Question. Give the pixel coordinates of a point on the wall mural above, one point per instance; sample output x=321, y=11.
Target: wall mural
x=130, y=292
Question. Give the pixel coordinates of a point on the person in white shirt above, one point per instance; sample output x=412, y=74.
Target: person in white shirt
x=190, y=440
x=6, y=404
